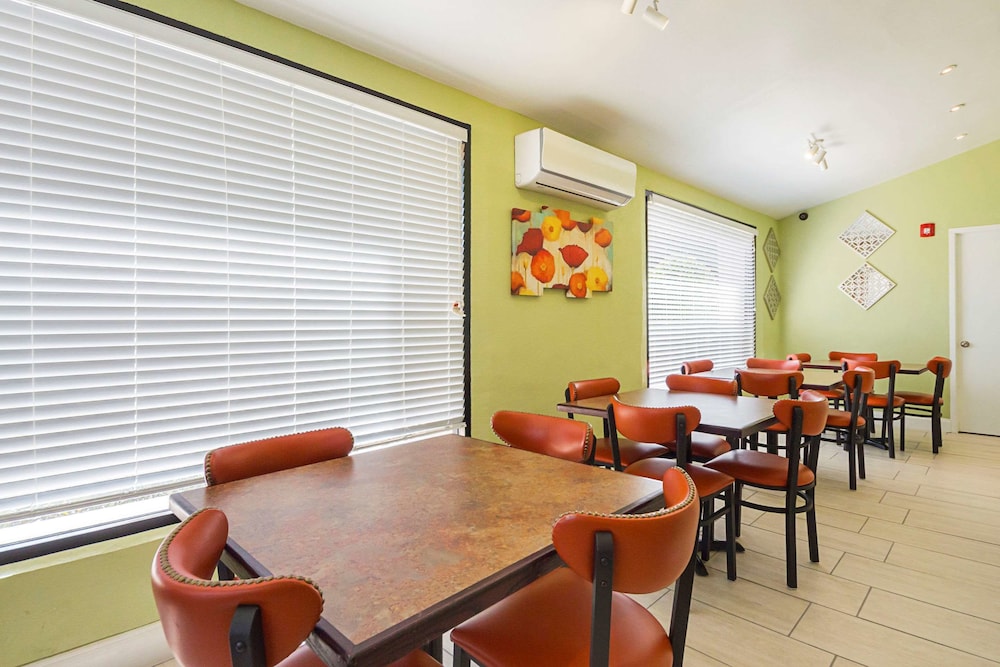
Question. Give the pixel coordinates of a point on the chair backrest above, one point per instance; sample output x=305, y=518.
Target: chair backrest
x=259, y=457
x=703, y=384
x=803, y=357
x=769, y=382
x=197, y=613
x=661, y=426
x=635, y=553
x=859, y=383
x=804, y=418
x=544, y=434
x=883, y=369
x=582, y=389
x=859, y=356
x=940, y=366
x=697, y=366
x=775, y=364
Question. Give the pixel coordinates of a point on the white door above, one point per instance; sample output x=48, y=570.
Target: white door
x=975, y=380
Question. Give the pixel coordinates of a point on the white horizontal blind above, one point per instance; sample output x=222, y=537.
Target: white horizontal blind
x=194, y=253
x=700, y=288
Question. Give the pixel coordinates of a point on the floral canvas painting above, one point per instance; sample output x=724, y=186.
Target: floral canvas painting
x=551, y=250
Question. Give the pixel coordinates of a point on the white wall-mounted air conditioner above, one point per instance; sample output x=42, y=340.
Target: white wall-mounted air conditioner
x=549, y=162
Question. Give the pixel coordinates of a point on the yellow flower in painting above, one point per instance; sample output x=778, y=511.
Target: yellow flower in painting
x=551, y=228
x=597, y=279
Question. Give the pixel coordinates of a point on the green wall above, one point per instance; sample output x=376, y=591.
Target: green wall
x=523, y=349
x=911, y=322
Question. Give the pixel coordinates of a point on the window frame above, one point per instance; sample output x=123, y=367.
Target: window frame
x=56, y=542
x=749, y=282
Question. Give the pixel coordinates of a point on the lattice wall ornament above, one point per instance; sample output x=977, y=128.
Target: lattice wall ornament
x=866, y=286
x=866, y=234
x=772, y=297
x=772, y=251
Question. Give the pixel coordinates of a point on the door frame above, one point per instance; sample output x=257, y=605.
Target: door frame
x=955, y=408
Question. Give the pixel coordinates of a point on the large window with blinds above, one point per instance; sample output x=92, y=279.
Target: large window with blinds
x=199, y=246
x=699, y=288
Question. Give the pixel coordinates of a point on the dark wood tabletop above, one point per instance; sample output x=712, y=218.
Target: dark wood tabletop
x=406, y=542
x=834, y=365
x=732, y=417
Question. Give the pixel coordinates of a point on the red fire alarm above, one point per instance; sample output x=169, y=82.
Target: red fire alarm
x=926, y=230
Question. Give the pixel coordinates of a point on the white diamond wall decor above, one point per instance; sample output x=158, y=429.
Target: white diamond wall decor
x=866, y=286
x=772, y=251
x=866, y=234
x=772, y=297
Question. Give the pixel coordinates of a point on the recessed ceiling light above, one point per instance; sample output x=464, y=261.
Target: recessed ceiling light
x=948, y=70
x=961, y=136
x=957, y=107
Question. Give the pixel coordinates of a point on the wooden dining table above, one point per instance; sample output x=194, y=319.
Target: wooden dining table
x=732, y=417
x=406, y=542
x=812, y=378
x=836, y=365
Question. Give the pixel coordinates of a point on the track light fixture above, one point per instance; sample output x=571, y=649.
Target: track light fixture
x=653, y=16
x=816, y=153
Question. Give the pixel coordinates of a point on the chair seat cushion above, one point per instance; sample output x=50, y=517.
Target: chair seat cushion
x=842, y=419
x=629, y=450
x=882, y=400
x=707, y=482
x=548, y=623
x=304, y=657
x=919, y=398
x=759, y=468
x=704, y=446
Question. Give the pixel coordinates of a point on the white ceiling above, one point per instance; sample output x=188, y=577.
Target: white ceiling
x=724, y=98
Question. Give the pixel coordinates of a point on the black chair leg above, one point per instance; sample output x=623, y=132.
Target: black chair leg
x=731, y=535
x=461, y=658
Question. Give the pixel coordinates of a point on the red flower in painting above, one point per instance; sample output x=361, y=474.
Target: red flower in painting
x=531, y=242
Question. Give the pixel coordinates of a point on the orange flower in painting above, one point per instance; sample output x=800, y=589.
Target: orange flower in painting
x=520, y=214
x=603, y=237
x=578, y=285
x=516, y=282
x=551, y=228
x=597, y=279
x=543, y=265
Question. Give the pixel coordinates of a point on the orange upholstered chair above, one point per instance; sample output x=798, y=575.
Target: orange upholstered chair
x=611, y=451
x=705, y=446
x=801, y=357
x=851, y=423
x=259, y=457
x=857, y=356
x=919, y=404
x=889, y=404
x=675, y=425
x=582, y=614
x=697, y=366
x=775, y=364
x=247, y=623
x=794, y=474
x=544, y=434
x=769, y=383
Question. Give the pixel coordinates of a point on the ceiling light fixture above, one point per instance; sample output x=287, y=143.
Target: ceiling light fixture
x=628, y=6
x=653, y=16
x=961, y=136
x=816, y=153
x=957, y=107
x=947, y=70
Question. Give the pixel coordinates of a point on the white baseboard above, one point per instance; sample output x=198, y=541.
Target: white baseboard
x=142, y=647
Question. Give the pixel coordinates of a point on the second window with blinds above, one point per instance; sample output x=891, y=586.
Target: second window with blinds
x=700, y=288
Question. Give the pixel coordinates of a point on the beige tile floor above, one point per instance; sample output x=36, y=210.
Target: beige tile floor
x=909, y=570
